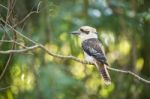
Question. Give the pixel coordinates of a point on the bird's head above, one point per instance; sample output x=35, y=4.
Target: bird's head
x=85, y=32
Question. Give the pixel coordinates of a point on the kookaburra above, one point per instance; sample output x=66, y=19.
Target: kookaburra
x=93, y=50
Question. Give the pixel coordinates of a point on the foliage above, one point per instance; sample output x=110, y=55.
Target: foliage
x=123, y=27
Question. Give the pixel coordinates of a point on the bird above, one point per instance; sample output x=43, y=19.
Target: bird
x=93, y=50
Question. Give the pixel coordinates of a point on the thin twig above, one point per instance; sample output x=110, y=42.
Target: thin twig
x=4, y=6
x=11, y=5
x=5, y=32
x=130, y=73
x=3, y=37
x=5, y=67
x=12, y=41
x=9, y=18
x=28, y=15
x=1, y=89
x=18, y=32
x=19, y=51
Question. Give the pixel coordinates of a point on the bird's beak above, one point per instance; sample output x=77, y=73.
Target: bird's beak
x=76, y=32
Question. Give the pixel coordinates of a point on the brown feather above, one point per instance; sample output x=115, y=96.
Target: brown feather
x=104, y=73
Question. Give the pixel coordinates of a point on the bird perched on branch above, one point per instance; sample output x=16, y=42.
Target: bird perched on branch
x=93, y=50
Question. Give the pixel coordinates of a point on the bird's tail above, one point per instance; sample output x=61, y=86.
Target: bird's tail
x=105, y=75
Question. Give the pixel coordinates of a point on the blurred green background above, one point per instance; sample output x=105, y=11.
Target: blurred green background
x=123, y=27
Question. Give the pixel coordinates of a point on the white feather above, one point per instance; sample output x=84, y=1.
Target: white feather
x=84, y=36
x=88, y=58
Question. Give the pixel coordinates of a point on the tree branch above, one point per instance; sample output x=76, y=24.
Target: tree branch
x=37, y=45
x=75, y=59
x=19, y=51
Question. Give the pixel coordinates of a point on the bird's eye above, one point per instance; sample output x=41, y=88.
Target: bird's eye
x=84, y=31
x=81, y=30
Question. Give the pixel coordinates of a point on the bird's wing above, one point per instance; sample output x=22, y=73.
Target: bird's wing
x=94, y=48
